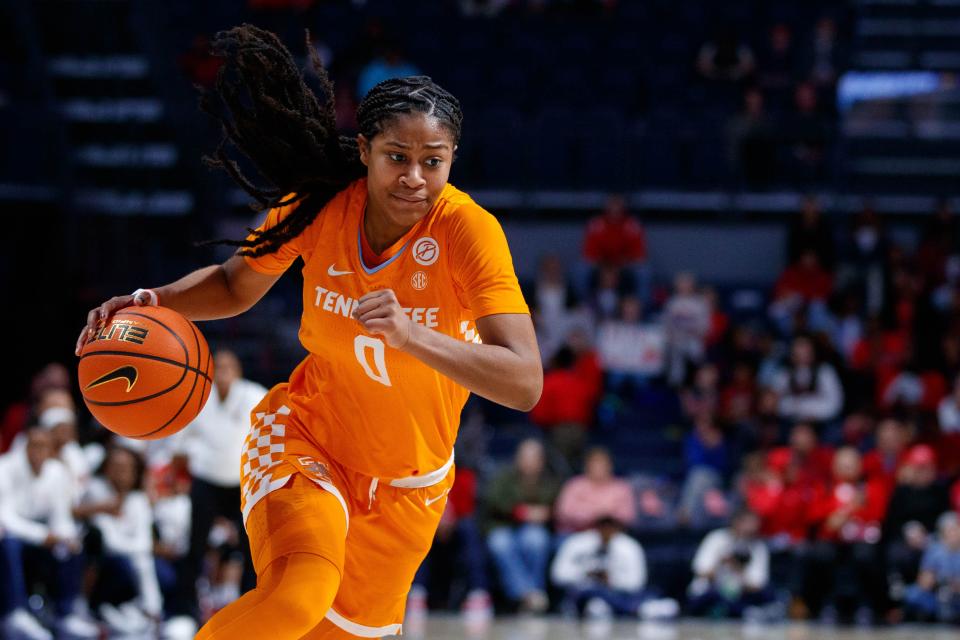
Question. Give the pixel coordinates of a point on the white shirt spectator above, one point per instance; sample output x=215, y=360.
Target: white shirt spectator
x=718, y=547
x=582, y=553
x=948, y=414
x=213, y=442
x=632, y=348
x=130, y=534
x=172, y=516
x=823, y=401
x=33, y=507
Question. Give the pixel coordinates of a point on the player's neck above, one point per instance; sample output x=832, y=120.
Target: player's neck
x=379, y=233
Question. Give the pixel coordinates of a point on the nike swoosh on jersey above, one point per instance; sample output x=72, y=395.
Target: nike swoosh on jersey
x=430, y=501
x=331, y=271
x=126, y=372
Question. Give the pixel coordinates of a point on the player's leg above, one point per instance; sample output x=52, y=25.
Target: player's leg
x=385, y=546
x=297, y=536
x=291, y=596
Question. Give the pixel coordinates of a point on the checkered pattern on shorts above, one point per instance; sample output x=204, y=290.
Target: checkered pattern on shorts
x=263, y=451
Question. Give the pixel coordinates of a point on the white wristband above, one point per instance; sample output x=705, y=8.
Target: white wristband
x=154, y=299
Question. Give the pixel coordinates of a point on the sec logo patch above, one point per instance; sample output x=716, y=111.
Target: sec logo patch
x=426, y=251
x=419, y=281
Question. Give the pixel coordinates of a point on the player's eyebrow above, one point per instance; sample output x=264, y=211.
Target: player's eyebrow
x=429, y=145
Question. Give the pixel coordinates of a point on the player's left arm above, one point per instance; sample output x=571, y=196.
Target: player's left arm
x=505, y=368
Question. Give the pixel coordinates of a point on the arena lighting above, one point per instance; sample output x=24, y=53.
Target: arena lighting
x=856, y=86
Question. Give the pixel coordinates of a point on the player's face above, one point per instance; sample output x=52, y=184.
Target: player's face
x=408, y=165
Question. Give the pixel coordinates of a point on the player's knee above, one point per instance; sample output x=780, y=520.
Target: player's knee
x=305, y=591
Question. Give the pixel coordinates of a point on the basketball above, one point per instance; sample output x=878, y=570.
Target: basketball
x=147, y=373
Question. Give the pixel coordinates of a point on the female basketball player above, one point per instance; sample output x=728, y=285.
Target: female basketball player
x=410, y=302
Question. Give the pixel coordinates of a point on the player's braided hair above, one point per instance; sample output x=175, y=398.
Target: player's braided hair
x=269, y=114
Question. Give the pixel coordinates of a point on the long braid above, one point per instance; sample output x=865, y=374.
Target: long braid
x=269, y=114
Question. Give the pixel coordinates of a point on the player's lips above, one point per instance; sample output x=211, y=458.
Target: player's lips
x=409, y=198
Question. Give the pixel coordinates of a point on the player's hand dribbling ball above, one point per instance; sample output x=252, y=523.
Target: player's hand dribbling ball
x=146, y=372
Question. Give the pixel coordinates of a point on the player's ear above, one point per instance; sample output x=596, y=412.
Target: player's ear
x=364, y=145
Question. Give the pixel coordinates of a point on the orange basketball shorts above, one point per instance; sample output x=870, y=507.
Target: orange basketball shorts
x=377, y=531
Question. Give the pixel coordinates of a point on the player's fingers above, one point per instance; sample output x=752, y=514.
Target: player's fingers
x=378, y=294
x=378, y=326
x=378, y=312
x=82, y=340
x=370, y=304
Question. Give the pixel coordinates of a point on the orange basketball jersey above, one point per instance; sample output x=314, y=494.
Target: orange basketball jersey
x=374, y=409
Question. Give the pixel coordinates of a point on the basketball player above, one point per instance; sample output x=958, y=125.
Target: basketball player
x=410, y=302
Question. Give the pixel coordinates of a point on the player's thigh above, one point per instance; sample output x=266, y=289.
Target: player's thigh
x=300, y=517
x=385, y=547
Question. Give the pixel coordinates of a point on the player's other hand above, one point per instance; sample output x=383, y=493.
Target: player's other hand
x=381, y=314
x=98, y=316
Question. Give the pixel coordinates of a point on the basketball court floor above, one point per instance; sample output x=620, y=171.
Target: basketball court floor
x=453, y=627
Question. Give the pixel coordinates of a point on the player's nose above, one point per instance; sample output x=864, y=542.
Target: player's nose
x=412, y=178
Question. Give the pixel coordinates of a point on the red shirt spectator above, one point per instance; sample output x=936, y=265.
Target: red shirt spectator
x=462, y=500
x=615, y=238
x=851, y=509
x=882, y=463
x=805, y=278
x=568, y=397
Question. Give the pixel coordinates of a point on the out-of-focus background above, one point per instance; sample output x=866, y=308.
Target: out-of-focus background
x=735, y=225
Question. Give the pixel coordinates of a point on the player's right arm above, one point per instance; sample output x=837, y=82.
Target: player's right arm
x=210, y=293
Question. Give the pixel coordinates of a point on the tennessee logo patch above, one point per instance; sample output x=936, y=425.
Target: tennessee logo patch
x=316, y=468
x=426, y=251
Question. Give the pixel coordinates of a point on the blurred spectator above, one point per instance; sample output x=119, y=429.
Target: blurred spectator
x=609, y=286
x=686, y=321
x=54, y=377
x=458, y=536
x=702, y=397
x=719, y=320
x=586, y=498
x=731, y=570
x=80, y=462
x=615, y=237
x=809, y=388
x=936, y=593
x=845, y=571
x=801, y=468
x=809, y=134
x=912, y=512
x=389, y=63
x=119, y=542
x=803, y=286
x=737, y=399
x=210, y=448
x=725, y=57
x=811, y=231
x=554, y=302
x=824, y=54
x=519, y=501
x=39, y=537
x=752, y=146
x=707, y=458
x=939, y=242
x=778, y=61
x=171, y=515
x=566, y=406
x=602, y=571
x=861, y=265
x=948, y=411
x=883, y=462
x=630, y=350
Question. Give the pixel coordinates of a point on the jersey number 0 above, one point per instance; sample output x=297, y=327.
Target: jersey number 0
x=379, y=371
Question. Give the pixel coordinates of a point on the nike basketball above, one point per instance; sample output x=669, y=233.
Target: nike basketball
x=147, y=373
